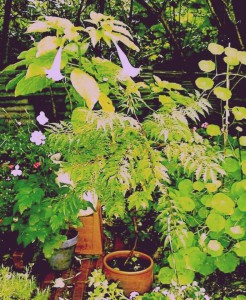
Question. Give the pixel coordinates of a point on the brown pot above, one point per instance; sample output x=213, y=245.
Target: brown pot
x=139, y=281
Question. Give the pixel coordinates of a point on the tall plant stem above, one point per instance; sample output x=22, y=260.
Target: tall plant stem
x=227, y=111
x=130, y=255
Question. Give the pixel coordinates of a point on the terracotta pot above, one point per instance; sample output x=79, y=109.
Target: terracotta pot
x=139, y=281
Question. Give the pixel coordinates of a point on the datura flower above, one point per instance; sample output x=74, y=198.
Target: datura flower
x=128, y=69
x=41, y=118
x=54, y=72
x=38, y=138
x=63, y=177
x=16, y=171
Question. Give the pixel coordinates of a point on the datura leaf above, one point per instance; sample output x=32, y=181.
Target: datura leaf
x=215, y=49
x=106, y=103
x=231, y=60
x=242, y=57
x=38, y=26
x=239, y=112
x=229, y=51
x=86, y=86
x=222, y=93
x=213, y=130
x=47, y=44
x=206, y=65
x=204, y=83
x=236, y=232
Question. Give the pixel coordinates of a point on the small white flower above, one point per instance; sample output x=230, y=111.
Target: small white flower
x=195, y=283
x=133, y=295
x=59, y=283
x=38, y=138
x=15, y=219
x=171, y=297
x=206, y=297
x=54, y=72
x=16, y=171
x=128, y=69
x=41, y=118
x=156, y=289
x=202, y=290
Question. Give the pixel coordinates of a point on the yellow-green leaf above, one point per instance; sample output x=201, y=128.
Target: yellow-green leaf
x=47, y=44
x=86, y=86
x=242, y=57
x=204, y=83
x=206, y=65
x=34, y=70
x=231, y=60
x=106, y=103
x=213, y=130
x=222, y=93
x=229, y=51
x=239, y=112
x=242, y=140
x=38, y=26
x=215, y=49
x=215, y=248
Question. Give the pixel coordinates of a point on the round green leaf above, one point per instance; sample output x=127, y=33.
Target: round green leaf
x=185, y=277
x=185, y=186
x=198, y=186
x=244, y=167
x=208, y=266
x=239, y=187
x=222, y=93
x=215, y=222
x=242, y=57
x=206, y=65
x=165, y=275
x=223, y=204
x=237, y=215
x=239, y=112
x=194, y=258
x=211, y=187
x=231, y=165
x=178, y=258
x=240, y=249
x=204, y=83
x=242, y=140
x=227, y=263
x=241, y=203
x=214, y=248
x=236, y=232
x=206, y=200
x=203, y=212
x=231, y=60
x=213, y=130
x=186, y=203
x=229, y=51
x=215, y=49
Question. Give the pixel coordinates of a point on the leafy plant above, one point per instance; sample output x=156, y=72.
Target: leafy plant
x=19, y=286
x=102, y=289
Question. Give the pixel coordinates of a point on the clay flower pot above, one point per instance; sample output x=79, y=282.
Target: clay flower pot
x=130, y=281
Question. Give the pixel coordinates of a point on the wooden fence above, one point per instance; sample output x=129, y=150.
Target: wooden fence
x=30, y=106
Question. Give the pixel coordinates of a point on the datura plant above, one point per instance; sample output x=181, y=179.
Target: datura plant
x=193, y=179
x=63, y=56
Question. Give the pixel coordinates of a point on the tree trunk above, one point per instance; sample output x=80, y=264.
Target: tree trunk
x=227, y=29
x=5, y=33
x=239, y=11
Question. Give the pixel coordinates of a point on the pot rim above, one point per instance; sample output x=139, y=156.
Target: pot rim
x=124, y=253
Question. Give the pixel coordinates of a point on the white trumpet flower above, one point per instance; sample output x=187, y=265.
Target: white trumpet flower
x=54, y=72
x=128, y=69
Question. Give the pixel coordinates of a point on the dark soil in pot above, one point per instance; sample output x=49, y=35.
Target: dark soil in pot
x=134, y=264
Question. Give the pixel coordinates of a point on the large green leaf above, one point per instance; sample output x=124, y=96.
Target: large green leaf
x=213, y=130
x=222, y=93
x=223, y=204
x=86, y=86
x=204, y=83
x=215, y=49
x=241, y=203
x=166, y=275
x=215, y=222
x=31, y=85
x=214, y=248
x=227, y=263
x=240, y=249
x=207, y=65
